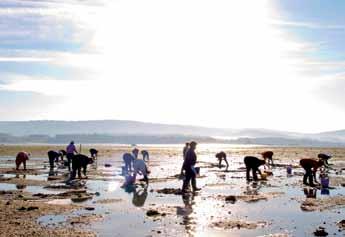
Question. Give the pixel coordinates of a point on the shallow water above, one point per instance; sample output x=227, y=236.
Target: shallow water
x=193, y=215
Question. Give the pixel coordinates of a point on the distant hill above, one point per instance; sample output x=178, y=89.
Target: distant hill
x=124, y=131
x=24, y=128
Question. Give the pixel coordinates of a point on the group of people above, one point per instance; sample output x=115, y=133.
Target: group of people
x=189, y=172
x=75, y=159
x=134, y=165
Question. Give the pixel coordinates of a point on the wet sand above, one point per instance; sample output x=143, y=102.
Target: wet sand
x=32, y=205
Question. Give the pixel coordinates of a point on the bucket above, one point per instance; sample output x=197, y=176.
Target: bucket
x=325, y=182
x=263, y=176
x=289, y=170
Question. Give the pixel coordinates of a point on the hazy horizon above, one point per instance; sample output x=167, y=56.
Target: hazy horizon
x=263, y=64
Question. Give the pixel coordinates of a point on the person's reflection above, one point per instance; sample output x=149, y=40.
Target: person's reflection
x=139, y=196
x=186, y=211
x=310, y=192
x=324, y=191
x=252, y=189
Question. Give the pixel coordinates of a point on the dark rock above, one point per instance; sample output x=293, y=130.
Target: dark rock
x=32, y=208
x=320, y=232
x=89, y=208
x=152, y=213
x=232, y=199
x=170, y=191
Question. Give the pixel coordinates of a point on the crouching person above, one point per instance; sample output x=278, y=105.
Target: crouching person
x=141, y=169
x=310, y=166
x=22, y=157
x=252, y=164
x=79, y=162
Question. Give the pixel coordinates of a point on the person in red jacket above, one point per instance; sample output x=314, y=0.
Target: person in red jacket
x=22, y=157
x=310, y=166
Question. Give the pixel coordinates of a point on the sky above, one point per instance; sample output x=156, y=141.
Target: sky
x=274, y=64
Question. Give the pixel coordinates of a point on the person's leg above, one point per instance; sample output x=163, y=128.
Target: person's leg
x=193, y=181
x=69, y=160
x=310, y=177
x=17, y=164
x=84, y=169
x=186, y=181
x=247, y=172
x=24, y=163
x=51, y=161
x=74, y=169
x=227, y=164
x=255, y=176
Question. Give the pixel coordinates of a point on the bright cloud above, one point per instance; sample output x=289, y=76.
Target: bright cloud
x=220, y=64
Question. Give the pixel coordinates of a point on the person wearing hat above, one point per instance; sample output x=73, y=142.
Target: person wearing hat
x=189, y=168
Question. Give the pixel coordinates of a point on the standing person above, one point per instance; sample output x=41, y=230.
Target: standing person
x=189, y=168
x=222, y=156
x=185, y=149
x=253, y=163
x=70, y=150
x=146, y=156
x=310, y=166
x=22, y=157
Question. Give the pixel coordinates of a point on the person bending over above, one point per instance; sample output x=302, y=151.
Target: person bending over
x=310, y=166
x=268, y=155
x=22, y=157
x=79, y=162
x=93, y=153
x=141, y=169
x=222, y=156
x=54, y=157
x=253, y=163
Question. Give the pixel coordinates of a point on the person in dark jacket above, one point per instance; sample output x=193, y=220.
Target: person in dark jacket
x=310, y=166
x=189, y=169
x=80, y=161
x=54, y=157
x=324, y=157
x=268, y=155
x=222, y=156
x=93, y=153
x=253, y=163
